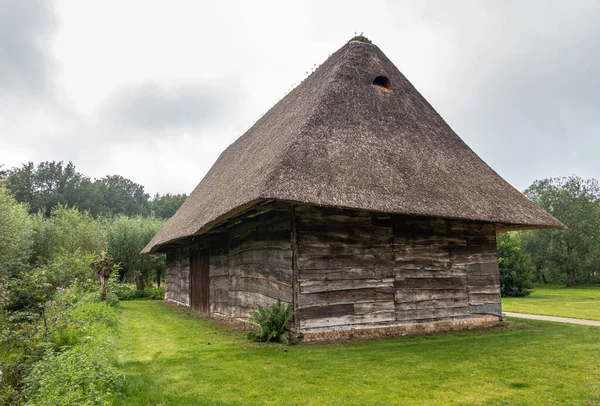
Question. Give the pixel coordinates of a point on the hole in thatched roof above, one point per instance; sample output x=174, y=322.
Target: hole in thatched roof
x=382, y=81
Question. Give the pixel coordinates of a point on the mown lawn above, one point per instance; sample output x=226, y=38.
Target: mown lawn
x=172, y=357
x=579, y=303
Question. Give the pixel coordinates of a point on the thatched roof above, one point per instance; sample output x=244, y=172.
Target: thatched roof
x=340, y=140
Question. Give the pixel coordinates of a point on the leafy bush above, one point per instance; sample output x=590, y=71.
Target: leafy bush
x=155, y=293
x=126, y=237
x=79, y=367
x=273, y=322
x=124, y=291
x=68, y=267
x=83, y=375
x=16, y=231
x=516, y=271
x=62, y=354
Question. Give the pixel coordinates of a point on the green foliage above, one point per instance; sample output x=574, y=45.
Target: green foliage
x=15, y=236
x=155, y=293
x=68, y=358
x=50, y=184
x=360, y=38
x=29, y=292
x=569, y=255
x=122, y=196
x=127, y=236
x=516, y=271
x=126, y=291
x=81, y=366
x=68, y=267
x=273, y=322
x=166, y=205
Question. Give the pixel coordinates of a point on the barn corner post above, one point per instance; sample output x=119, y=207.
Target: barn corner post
x=295, y=282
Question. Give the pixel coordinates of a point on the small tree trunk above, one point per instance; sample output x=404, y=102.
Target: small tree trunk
x=103, y=287
x=139, y=281
x=103, y=267
x=570, y=279
x=158, y=278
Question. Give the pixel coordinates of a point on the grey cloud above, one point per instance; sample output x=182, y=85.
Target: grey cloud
x=159, y=107
x=25, y=35
x=536, y=114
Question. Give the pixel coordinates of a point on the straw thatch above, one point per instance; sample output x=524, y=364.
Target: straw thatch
x=339, y=140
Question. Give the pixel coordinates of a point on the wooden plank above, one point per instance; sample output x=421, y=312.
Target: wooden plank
x=283, y=275
x=326, y=261
x=260, y=240
x=313, y=286
x=454, y=282
x=481, y=298
x=347, y=273
x=424, y=314
x=387, y=316
x=432, y=304
x=268, y=256
x=319, y=312
x=263, y=286
x=346, y=296
x=219, y=282
x=415, y=295
x=479, y=280
x=295, y=274
x=250, y=299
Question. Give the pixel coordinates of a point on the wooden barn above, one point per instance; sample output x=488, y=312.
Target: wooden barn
x=352, y=200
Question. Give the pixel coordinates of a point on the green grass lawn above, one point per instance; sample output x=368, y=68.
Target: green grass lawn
x=580, y=303
x=172, y=357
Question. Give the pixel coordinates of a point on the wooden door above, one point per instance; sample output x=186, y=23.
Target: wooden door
x=200, y=281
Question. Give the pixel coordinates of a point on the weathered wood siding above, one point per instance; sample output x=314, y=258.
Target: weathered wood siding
x=177, y=278
x=360, y=268
x=219, y=276
x=259, y=263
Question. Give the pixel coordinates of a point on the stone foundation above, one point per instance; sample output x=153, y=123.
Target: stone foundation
x=471, y=323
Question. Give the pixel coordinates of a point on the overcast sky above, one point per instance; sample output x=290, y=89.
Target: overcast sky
x=154, y=91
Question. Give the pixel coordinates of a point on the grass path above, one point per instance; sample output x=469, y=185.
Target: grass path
x=578, y=303
x=167, y=359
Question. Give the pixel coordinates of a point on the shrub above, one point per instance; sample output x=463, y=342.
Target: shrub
x=68, y=267
x=273, y=322
x=155, y=293
x=80, y=365
x=84, y=375
x=122, y=291
x=16, y=230
x=516, y=278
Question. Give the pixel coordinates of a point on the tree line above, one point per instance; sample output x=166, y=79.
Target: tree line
x=48, y=184
x=569, y=256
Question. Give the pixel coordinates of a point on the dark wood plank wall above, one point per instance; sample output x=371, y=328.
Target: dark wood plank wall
x=345, y=268
x=219, y=275
x=177, y=278
x=358, y=268
x=354, y=268
x=259, y=262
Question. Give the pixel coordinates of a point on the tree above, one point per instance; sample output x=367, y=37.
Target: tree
x=166, y=205
x=122, y=196
x=516, y=278
x=51, y=183
x=45, y=186
x=15, y=236
x=127, y=236
x=569, y=255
